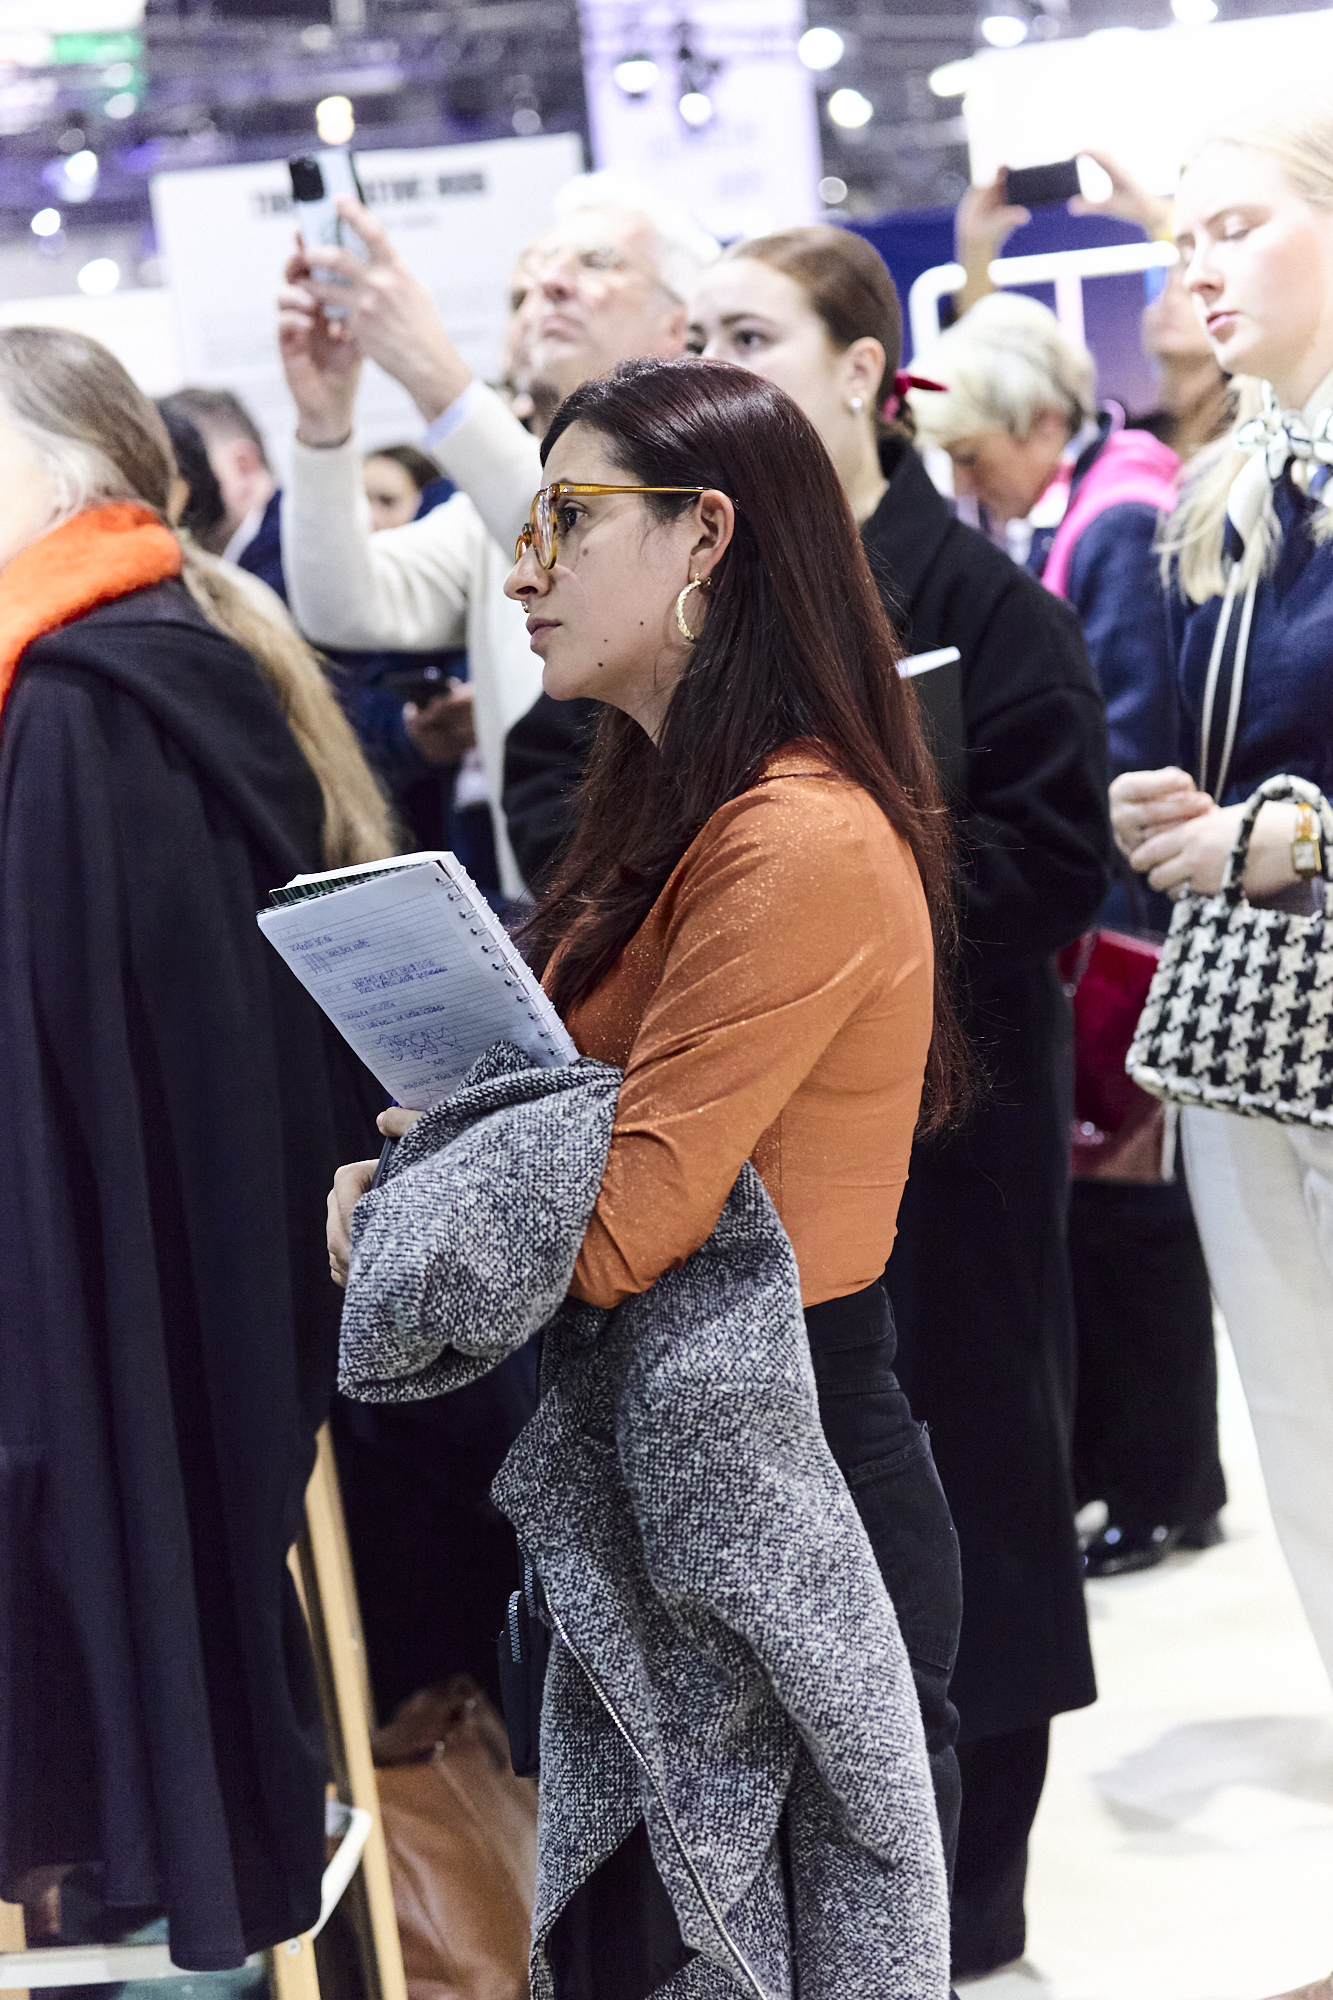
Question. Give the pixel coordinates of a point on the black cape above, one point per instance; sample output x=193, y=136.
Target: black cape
x=174, y=1106
x=979, y=1275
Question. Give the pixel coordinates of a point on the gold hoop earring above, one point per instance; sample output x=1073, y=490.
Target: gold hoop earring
x=696, y=583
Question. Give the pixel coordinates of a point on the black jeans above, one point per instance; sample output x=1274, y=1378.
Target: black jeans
x=1003, y=1778
x=884, y=1455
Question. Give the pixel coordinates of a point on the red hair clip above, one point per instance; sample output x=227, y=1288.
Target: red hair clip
x=902, y=382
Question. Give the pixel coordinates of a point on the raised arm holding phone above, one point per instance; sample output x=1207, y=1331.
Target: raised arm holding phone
x=603, y=284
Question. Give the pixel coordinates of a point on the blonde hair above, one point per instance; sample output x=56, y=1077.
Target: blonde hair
x=1004, y=363
x=101, y=439
x=1299, y=139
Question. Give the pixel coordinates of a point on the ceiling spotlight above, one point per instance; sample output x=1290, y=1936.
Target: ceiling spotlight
x=46, y=222
x=123, y=105
x=1194, y=13
x=100, y=277
x=832, y=190
x=636, y=75
x=1004, y=27
x=75, y=178
x=820, y=48
x=953, y=79
x=335, y=121
x=850, y=109
x=696, y=108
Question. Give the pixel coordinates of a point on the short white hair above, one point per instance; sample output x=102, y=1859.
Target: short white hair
x=683, y=248
x=1003, y=364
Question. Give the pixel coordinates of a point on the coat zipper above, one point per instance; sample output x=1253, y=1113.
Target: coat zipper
x=685, y=1855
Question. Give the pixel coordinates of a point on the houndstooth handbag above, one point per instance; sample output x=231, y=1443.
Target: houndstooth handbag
x=1239, y=1016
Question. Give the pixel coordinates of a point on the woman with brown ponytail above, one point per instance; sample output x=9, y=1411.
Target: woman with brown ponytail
x=173, y=1105
x=978, y=1279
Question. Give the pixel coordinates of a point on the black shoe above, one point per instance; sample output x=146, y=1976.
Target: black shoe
x=1123, y=1546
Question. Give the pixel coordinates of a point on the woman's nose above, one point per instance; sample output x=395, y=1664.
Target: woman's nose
x=526, y=579
x=1197, y=275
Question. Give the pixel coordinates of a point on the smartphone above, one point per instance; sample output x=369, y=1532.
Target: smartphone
x=418, y=684
x=1042, y=187
x=317, y=180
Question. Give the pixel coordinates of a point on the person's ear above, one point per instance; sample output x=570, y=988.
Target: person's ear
x=245, y=457
x=674, y=327
x=863, y=365
x=1053, y=427
x=715, y=517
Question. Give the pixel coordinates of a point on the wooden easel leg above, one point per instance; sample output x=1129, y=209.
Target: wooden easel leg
x=13, y=1937
x=340, y=1656
x=291, y=1970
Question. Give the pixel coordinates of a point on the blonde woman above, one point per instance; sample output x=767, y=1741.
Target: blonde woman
x=172, y=1105
x=1251, y=550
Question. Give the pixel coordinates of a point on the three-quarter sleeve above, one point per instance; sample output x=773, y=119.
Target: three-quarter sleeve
x=775, y=936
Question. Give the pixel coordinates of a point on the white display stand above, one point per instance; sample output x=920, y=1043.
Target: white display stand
x=459, y=214
x=1067, y=270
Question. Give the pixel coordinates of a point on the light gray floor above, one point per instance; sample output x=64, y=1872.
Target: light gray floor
x=1184, y=1847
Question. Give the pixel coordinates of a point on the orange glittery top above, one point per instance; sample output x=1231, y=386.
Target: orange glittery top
x=774, y=1005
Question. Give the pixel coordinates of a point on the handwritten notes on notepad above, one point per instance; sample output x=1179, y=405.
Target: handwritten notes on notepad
x=417, y=974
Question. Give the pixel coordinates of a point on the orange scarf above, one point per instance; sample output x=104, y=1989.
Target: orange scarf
x=91, y=559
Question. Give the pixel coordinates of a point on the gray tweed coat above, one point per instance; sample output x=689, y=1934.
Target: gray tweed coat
x=726, y=1651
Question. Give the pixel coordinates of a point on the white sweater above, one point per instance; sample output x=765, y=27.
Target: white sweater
x=435, y=583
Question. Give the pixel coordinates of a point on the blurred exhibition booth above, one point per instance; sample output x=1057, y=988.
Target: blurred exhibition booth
x=748, y=111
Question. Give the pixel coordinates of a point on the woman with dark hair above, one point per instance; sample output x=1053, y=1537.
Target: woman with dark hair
x=197, y=506
x=396, y=478
x=978, y=1278
x=755, y=922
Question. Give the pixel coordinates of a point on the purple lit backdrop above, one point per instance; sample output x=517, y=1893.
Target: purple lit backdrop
x=912, y=240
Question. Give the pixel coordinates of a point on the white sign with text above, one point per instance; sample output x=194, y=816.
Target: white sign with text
x=459, y=214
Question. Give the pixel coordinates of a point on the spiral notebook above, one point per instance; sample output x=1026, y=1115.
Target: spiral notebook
x=415, y=971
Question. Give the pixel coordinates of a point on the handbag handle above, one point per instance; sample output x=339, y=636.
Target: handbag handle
x=1301, y=789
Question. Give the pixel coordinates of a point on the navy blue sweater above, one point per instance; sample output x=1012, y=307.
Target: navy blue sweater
x=1286, y=711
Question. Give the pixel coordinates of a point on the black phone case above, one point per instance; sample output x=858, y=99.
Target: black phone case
x=1042, y=187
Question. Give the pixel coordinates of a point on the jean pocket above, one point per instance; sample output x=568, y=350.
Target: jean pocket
x=906, y=1516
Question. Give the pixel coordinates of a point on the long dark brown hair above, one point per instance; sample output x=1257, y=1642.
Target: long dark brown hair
x=795, y=646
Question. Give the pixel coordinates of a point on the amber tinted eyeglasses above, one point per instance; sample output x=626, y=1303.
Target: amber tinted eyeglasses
x=542, y=534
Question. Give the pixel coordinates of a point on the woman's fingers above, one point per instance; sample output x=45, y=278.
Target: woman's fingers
x=335, y=1235
x=349, y=1184
x=397, y=1120
x=1143, y=802
x=1136, y=786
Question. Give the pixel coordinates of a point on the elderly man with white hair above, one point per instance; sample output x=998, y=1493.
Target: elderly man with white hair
x=605, y=283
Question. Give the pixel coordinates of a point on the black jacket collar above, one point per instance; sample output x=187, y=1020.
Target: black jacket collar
x=911, y=522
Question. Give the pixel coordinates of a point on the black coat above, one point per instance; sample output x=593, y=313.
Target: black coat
x=979, y=1277
x=174, y=1106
